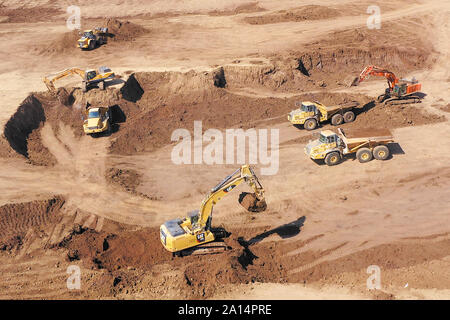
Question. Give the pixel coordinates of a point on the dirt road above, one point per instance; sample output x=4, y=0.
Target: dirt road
x=124, y=186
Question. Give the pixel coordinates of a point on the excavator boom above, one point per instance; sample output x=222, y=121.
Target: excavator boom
x=51, y=79
x=376, y=71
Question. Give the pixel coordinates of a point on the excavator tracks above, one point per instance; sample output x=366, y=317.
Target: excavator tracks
x=207, y=248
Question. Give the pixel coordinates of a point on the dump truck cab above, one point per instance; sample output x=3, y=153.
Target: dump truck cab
x=86, y=38
x=90, y=39
x=310, y=114
x=327, y=142
x=97, y=120
x=308, y=110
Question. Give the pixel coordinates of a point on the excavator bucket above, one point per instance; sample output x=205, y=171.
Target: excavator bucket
x=251, y=203
x=355, y=82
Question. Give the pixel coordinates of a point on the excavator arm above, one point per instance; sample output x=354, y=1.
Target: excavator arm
x=51, y=79
x=376, y=71
x=244, y=174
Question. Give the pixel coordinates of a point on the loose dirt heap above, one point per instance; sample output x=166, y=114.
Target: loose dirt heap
x=26, y=14
x=136, y=259
x=118, y=32
x=310, y=12
x=243, y=8
x=124, y=31
x=20, y=221
x=126, y=179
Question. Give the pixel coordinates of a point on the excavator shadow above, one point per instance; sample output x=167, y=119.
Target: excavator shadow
x=284, y=231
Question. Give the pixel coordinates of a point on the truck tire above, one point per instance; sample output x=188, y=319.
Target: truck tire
x=337, y=119
x=310, y=124
x=333, y=158
x=92, y=45
x=381, y=152
x=349, y=116
x=101, y=85
x=364, y=155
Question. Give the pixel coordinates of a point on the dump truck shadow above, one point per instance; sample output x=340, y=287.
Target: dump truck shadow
x=395, y=148
x=365, y=108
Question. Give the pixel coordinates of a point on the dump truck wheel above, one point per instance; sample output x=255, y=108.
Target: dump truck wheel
x=381, y=152
x=349, y=116
x=364, y=155
x=333, y=158
x=310, y=124
x=337, y=119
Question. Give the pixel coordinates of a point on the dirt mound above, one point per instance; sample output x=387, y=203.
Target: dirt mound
x=17, y=219
x=123, y=253
x=124, y=31
x=26, y=14
x=63, y=44
x=310, y=12
x=243, y=8
x=118, y=32
x=126, y=179
x=175, y=100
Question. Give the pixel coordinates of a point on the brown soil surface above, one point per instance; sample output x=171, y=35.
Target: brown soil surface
x=25, y=14
x=311, y=12
x=234, y=65
x=18, y=219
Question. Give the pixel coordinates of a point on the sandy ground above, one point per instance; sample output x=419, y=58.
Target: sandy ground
x=348, y=210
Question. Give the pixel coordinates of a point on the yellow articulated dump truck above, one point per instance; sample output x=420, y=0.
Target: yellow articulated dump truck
x=91, y=39
x=97, y=120
x=367, y=144
x=310, y=114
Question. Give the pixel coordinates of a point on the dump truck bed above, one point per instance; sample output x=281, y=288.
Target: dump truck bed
x=356, y=137
x=344, y=106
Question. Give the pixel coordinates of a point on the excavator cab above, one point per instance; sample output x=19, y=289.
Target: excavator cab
x=90, y=74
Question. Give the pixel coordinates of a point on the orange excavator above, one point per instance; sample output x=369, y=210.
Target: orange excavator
x=400, y=91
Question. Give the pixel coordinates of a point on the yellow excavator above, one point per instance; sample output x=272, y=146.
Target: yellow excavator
x=89, y=77
x=194, y=234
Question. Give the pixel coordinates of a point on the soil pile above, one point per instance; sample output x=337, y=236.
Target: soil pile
x=27, y=14
x=311, y=12
x=63, y=44
x=124, y=31
x=243, y=8
x=123, y=253
x=118, y=31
